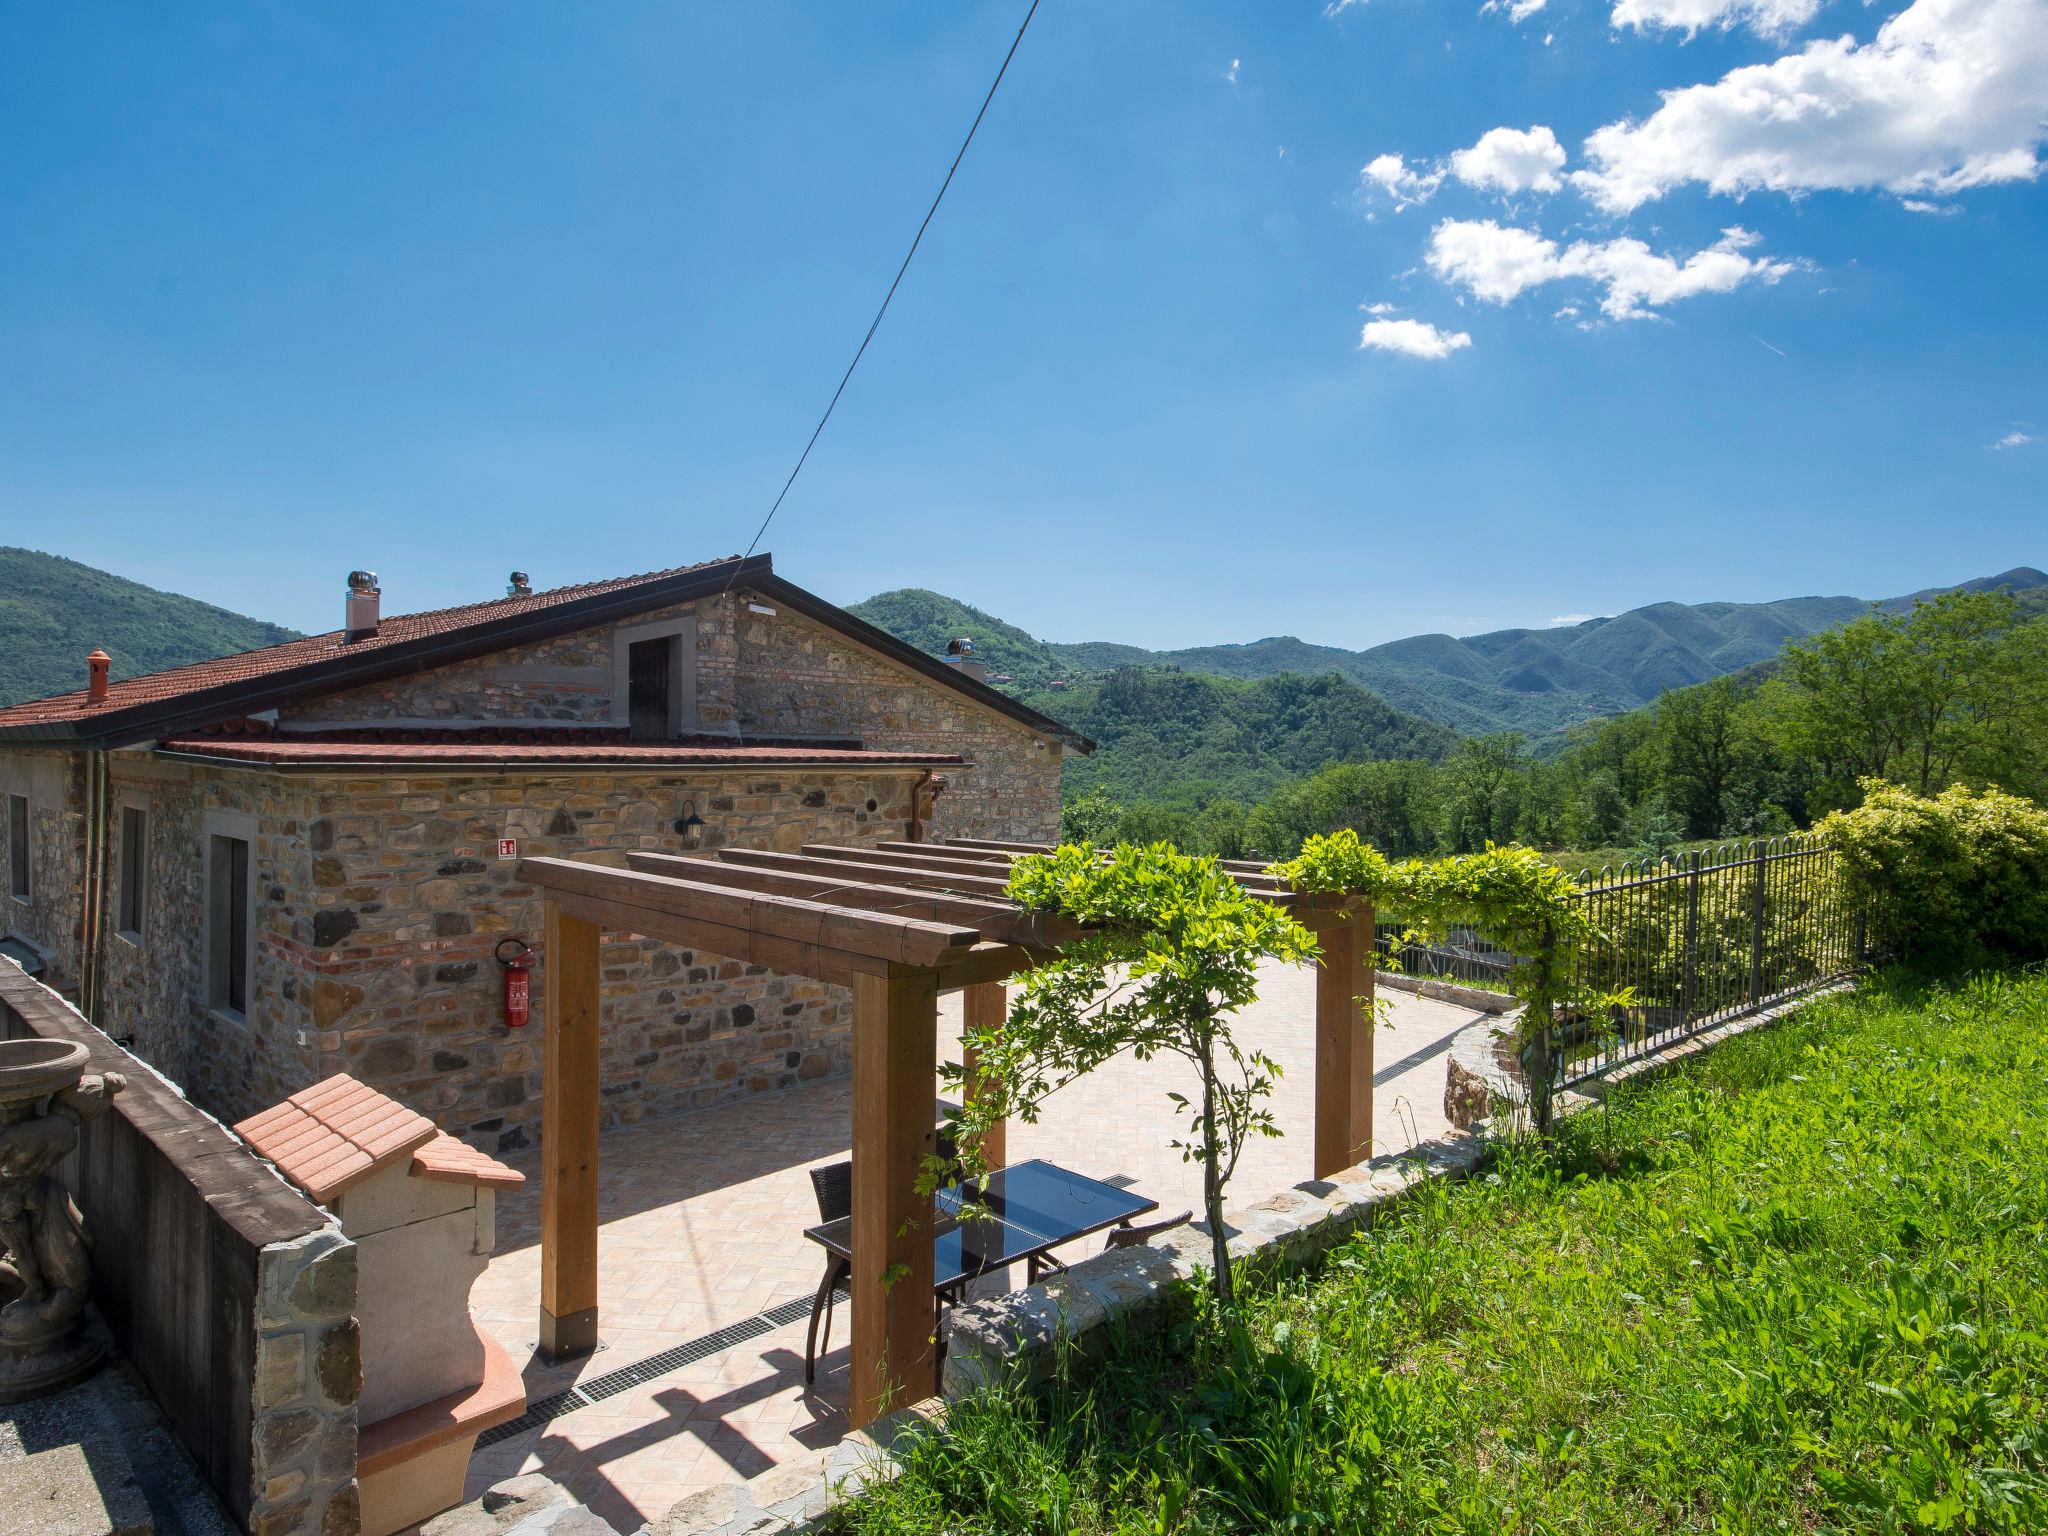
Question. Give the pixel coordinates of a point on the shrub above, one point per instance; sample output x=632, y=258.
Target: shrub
x=1950, y=879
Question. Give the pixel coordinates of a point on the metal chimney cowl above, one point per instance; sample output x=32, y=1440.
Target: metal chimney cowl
x=960, y=656
x=364, y=600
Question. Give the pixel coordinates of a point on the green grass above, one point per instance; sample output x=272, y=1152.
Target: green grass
x=1799, y=1286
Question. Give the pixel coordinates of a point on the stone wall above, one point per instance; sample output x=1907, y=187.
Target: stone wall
x=232, y=1294
x=379, y=898
x=566, y=680
x=756, y=675
x=394, y=980
x=154, y=989
x=54, y=783
x=785, y=675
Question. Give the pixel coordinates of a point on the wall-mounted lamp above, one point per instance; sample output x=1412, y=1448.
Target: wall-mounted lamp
x=690, y=826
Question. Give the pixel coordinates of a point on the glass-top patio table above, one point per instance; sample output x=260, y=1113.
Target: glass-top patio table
x=1025, y=1211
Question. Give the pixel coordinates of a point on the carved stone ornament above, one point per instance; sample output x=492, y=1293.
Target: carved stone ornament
x=45, y=1268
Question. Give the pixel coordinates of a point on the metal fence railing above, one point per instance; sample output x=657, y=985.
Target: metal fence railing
x=1463, y=955
x=1718, y=933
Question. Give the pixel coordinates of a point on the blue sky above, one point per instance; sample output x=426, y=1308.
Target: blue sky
x=443, y=290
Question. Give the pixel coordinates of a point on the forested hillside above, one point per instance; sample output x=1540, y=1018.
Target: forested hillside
x=53, y=611
x=1182, y=739
x=1536, y=681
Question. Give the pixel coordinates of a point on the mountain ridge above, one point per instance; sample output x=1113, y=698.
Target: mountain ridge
x=54, y=610
x=1533, y=680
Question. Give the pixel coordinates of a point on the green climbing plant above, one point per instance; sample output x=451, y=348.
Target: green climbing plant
x=1512, y=895
x=1171, y=955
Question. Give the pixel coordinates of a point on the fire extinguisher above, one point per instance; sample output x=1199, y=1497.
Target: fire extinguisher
x=518, y=970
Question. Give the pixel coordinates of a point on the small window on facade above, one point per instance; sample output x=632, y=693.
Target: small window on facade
x=134, y=868
x=227, y=925
x=651, y=676
x=17, y=846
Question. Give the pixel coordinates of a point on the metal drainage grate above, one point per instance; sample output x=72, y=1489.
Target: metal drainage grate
x=598, y=1388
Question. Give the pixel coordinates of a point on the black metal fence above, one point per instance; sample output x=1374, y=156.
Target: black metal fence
x=1463, y=955
x=1717, y=933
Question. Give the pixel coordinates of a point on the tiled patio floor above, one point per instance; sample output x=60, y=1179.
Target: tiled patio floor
x=702, y=1227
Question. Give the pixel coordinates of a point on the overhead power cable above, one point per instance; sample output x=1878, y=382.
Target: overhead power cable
x=875, y=324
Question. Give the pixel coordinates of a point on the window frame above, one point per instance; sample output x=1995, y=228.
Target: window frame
x=681, y=633
x=21, y=880
x=218, y=830
x=131, y=873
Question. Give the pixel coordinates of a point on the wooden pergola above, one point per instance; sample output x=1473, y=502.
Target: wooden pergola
x=897, y=923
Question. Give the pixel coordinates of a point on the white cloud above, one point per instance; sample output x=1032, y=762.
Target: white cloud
x=1509, y=160
x=1392, y=175
x=1505, y=160
x=1381, y=308
x=1767, y=18
x=1411, y=338
x=1518, y=11
x=1337, y=7
x=1949, y=94
x=1921, y=205
x=2016, y=439
x=1496, y=262
x=1565, y=619
x=1230, y=74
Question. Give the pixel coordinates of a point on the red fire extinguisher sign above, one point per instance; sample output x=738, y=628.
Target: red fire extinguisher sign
x=518, y=968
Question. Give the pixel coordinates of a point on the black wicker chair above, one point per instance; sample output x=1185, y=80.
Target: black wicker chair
x=833, y=1185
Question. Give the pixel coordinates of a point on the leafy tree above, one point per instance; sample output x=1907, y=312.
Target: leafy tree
x=1391, y=805
x=1483, y=782
x=1173, y=954
x=1953, y=689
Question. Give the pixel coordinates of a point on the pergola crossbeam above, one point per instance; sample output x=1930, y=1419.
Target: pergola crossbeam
x=996, y=918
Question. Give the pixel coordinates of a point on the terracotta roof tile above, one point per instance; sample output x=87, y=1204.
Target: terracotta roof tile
x=457, y=1162
x=245, y=666
x=334, y=1134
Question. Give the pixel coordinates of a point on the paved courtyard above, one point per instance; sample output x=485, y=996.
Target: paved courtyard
x=703, y=1219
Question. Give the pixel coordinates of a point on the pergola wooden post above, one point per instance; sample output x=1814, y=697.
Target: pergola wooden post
x=569, y=1097
x=984, y=1006
x=1344, y=1026
x=897, y=924
x=895, y=1073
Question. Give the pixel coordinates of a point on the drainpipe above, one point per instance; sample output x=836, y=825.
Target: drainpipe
x=93, y=893
x=921, y=804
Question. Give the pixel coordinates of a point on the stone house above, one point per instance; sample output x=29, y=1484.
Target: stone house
x=265, y=869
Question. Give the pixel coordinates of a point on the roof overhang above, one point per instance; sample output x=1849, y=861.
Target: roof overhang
x=155, y=720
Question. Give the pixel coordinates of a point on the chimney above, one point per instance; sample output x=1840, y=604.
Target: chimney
x=97, y=662
x=960, y=654
x=518, y=585
x=360, y=619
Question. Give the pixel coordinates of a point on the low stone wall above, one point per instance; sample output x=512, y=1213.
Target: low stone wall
x=233, y=1295
x=1448, y=992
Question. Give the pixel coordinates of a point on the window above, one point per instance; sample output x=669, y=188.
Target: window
x=134, y=868
x=17, y=846
x=227, y=924
x=651, y=670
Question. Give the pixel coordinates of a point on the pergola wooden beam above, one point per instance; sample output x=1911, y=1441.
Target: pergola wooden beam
x=897, y=925
x=996, y=918
x=909, y=940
